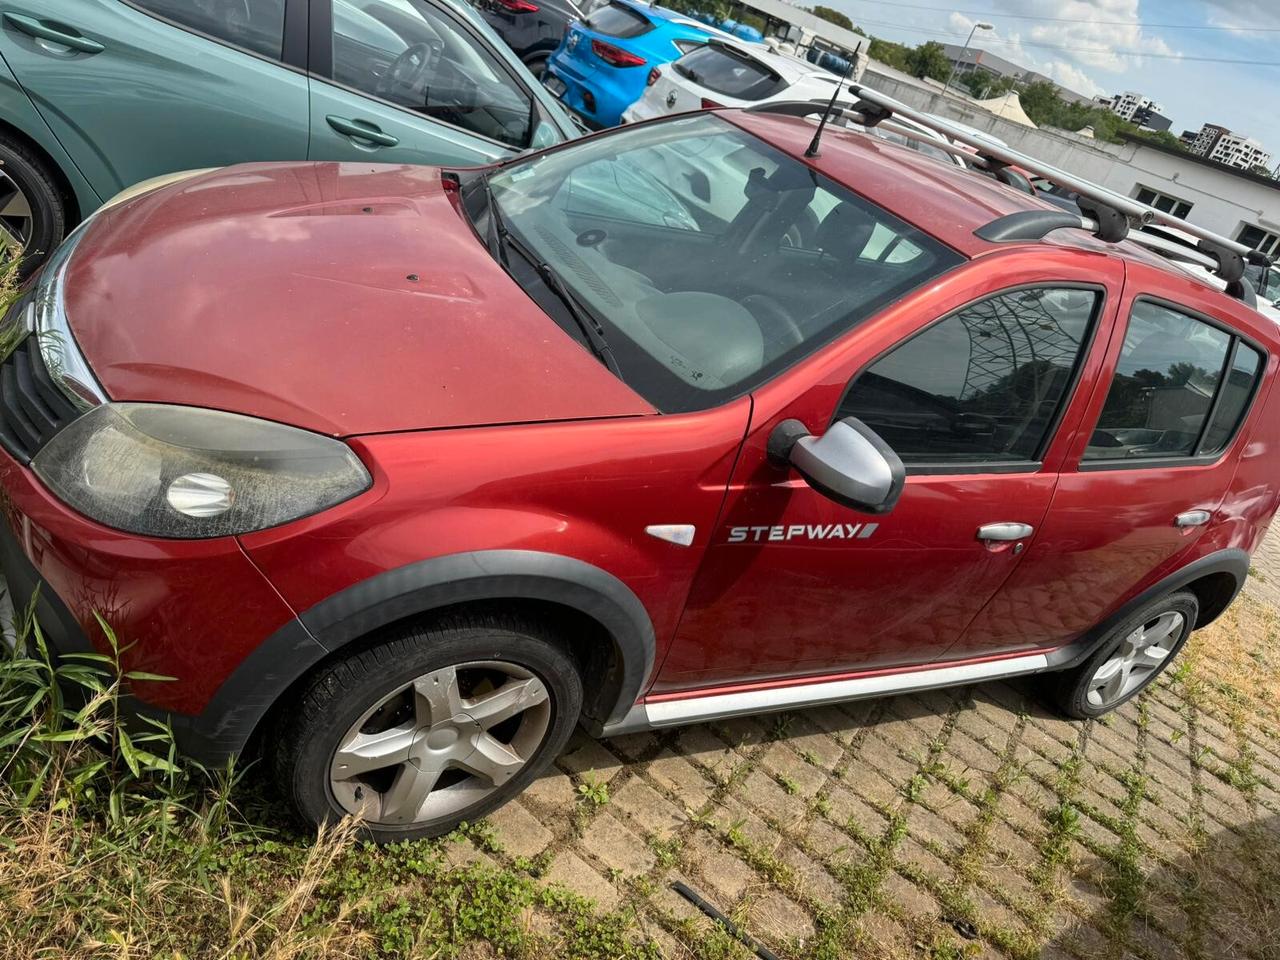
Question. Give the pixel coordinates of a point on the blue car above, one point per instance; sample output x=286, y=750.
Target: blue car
x=603, y=62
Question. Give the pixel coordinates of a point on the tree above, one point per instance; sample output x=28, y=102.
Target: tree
x=929, y=60
x=892, y=54
x=1259, y=169
x=832, y=16
x=984, y=86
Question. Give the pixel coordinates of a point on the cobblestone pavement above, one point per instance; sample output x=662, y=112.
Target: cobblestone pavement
x=968, y=822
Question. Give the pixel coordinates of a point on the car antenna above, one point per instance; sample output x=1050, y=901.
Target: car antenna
x=826, y=115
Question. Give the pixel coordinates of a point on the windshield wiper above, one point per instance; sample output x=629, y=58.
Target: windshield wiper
x=495, y=230
x=498, y=238
x=583, y=317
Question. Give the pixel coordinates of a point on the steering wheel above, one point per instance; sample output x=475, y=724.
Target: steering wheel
x=773, y=316
x=406, y=79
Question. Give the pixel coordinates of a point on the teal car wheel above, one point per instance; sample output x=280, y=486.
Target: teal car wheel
x=32, y=211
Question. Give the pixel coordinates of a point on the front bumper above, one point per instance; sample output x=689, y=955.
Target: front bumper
x=195, y=610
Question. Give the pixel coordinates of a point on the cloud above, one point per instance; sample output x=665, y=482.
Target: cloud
x=1243, y=17
x=1011, y=48
x=1096, y=33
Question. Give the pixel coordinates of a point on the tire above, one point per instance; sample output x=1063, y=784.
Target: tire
x=537, y=65
x=30, y=194
x=1162, y=625
x=388, y=702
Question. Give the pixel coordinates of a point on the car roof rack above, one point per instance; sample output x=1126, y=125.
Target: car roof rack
x=1105, y=213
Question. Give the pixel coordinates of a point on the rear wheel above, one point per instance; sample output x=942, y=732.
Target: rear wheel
x=429, y=727
x=32, y=211
x=1133, y=655
x=537, y=65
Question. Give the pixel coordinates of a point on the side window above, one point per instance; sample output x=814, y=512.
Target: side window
x=983, y=386
x=256, y=25
x=1170, y=397
x=411, y=54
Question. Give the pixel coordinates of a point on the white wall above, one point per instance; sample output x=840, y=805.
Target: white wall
x=1220, y=201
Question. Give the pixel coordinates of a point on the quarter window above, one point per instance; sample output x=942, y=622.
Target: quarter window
x=256, y=25
x=1169, y=397
x=412, y=55
x=1259, y=239
x=983, y=386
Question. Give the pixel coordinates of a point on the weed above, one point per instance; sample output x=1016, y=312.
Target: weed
x=788, y=784
x=594, y=793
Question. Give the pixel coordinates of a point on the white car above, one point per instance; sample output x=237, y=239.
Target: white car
x=729, y=73
x=734, y=73
x=1163, y=239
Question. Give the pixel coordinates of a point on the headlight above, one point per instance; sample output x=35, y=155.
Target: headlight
x=169, y=471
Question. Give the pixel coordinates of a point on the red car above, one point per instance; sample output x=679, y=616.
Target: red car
x=402, y=472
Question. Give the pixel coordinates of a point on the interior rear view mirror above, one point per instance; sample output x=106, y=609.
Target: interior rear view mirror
x=850, y=463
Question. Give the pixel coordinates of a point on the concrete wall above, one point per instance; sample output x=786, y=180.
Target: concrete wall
x=1221, y=201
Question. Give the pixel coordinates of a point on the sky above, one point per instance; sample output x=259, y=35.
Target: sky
x=1165, y=49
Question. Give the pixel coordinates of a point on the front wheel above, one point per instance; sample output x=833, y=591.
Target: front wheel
x=1136, y=652
x=32, y=212
x=429, y=727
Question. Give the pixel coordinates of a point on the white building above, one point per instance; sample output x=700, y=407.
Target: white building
x=1243, y=153
x=1128, y=104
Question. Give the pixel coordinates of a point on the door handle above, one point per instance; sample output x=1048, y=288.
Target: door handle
x=33, y=27
x=1192, y=518
x=363, y=130
x=1003, y=532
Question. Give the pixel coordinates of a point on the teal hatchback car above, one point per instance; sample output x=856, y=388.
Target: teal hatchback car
x=97, y=95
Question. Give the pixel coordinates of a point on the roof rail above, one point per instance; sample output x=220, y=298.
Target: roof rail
x=1105, y=213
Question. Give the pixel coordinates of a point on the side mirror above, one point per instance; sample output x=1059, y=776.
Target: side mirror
x=849, y=463
x=1276, y=304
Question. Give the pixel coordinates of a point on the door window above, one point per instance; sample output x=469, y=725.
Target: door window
x=725, y=70
x=256, y=25
x=1169, y=397
x=983, y=386
x=411, y=54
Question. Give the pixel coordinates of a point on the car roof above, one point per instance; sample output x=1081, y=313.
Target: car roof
x=944, y=200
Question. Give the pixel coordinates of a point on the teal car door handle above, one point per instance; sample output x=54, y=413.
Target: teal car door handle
x=33, y=27
x=362, y=130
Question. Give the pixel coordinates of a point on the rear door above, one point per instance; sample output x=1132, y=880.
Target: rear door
x=144, y=87
x=1146, y=474
x=409, y=81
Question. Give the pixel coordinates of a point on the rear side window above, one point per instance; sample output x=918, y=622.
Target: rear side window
x=1181, y=388
x=722, y=71
x=617, y=20
x=985, y=385
x=256, y=25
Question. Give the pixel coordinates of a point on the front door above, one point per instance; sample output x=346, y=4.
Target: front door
x=136, y=90
x=404, y=81
x=1145, y=478
x=796, y=584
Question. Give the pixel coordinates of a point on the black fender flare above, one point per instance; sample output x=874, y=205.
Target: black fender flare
x=1232, y=561
x=228, y=721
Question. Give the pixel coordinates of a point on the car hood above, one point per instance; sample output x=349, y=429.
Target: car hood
x=341, y=298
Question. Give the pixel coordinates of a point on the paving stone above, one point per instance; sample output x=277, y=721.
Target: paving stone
x=704, y=748
x=972, y=754
x=813, y=880
x=589, y=758
x=722, y=872
x=782, y=761
x=653, y=812
x=832, y=846
x=519, y=831
x=617, y=847
x=847, y=808
x=570, y=871
x=913, y=854
x=682, y=778
x=910, y=898
x=554, y=790
x=817, y=747
x=633, y=746
x=762, y=792
x=733, y=814
x=775, y=915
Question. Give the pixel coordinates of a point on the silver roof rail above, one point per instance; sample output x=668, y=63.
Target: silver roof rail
x=1104, y=212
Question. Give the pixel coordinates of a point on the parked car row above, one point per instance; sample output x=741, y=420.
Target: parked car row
x=97, y=95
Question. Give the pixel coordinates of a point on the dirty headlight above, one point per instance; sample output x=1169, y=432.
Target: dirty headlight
x=170, y=471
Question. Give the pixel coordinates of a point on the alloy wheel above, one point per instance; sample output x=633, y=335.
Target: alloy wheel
x=1139, y=657
x=441, y=743
x=16, y=219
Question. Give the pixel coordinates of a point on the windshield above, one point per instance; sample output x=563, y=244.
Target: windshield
x=709, y=259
